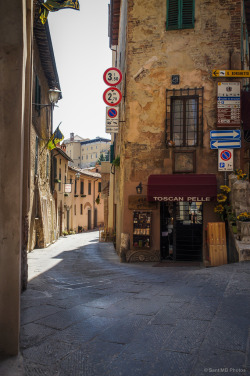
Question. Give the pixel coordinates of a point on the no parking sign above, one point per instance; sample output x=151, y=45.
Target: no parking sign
x=225, y=159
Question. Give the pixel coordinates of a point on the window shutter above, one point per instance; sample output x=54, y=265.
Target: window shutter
x=173, y=14
x=180, y=14
x=187, y=14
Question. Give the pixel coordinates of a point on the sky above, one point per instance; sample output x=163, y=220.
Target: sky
x=81, y=47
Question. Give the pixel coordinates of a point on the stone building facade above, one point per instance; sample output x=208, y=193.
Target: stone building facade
x=42, y=213
x=167, y=54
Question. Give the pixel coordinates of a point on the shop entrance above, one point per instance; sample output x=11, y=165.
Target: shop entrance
x=181, y=231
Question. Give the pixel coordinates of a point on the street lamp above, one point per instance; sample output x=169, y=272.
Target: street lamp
x=139, y=189
x=54, y=95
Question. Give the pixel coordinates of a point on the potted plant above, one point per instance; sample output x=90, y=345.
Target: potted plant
x=83, y=195
x=66, y=194
x=57, y=181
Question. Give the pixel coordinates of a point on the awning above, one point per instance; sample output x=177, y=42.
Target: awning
x=189, y=187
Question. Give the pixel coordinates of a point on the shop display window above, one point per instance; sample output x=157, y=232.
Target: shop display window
x=142, y=229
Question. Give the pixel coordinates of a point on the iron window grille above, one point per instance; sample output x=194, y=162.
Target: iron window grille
x=184, y=117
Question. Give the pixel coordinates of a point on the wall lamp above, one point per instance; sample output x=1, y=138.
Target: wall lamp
x=54, y=96
x=139, y=189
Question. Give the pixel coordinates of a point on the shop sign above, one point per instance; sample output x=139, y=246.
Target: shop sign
x=228, y=104
x=67, y=188
x=182, y=198
x=140, y=203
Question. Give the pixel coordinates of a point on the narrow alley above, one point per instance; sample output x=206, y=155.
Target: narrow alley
x=86, y=314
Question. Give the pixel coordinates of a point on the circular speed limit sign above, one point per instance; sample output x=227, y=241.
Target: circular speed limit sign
x=112, y=76
x=112, y=95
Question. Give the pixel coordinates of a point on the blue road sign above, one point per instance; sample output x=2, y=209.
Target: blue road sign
x=233, y=134
x=223, y=144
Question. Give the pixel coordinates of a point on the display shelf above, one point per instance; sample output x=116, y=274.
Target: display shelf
x=142, y=229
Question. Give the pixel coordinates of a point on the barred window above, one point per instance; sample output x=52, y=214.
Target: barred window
x=184, y=122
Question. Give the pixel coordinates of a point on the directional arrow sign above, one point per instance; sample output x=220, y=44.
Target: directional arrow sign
x=222, y=144
x=233, y=134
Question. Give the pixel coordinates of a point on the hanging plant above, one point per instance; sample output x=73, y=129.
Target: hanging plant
x=116, y=161
x=224, y=208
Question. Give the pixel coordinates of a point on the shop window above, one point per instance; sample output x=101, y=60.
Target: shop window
x=89, y=188
x=180, y=14
x=184, y=117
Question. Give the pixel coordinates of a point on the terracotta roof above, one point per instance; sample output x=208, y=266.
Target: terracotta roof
x=86, y=172
x=63, y=154
x=44, y=43
x=114, y=20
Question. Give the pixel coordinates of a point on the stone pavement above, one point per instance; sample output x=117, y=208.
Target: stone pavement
x=86, y=314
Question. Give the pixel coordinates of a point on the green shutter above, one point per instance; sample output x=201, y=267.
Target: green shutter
x=180, y=14
x=173, y=7
x=187, y=14
x=112, y=156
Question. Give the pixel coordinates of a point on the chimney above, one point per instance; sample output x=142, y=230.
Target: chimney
x=72, y=136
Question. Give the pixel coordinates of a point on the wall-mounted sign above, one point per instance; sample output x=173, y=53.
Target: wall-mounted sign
x=230, y=73
x=228, y=104
x=175, y=79
x=225, y=160
x=112, y=119
x=67, y=188
x=112, y=76
x=112, y=96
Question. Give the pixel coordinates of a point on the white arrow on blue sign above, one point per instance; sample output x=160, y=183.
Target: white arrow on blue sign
x=233, y=134
x=222, y=144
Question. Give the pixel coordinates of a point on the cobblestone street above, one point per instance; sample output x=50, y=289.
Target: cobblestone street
x=86, y=314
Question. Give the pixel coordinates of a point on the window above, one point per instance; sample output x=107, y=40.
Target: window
x=47, y=166
x=180, y=14
x=184, y=121
x=36, y=156
x=60, y=177
x=37, y=96
x=99, y=187
x=75, y=209
x=81, y=209
x=82, y=187
x=75, y=187
x=89, y=188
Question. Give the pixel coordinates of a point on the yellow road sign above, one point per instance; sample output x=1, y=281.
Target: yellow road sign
x=230, y=73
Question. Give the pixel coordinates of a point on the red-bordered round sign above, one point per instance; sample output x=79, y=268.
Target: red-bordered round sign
x=112, y=96
x=112, y=76
x=226, y=155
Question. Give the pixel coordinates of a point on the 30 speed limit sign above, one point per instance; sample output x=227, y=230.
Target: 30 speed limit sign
x=112, y=76
x=112, y=96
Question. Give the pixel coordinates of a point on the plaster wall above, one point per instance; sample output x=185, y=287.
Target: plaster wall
x=13, y=59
